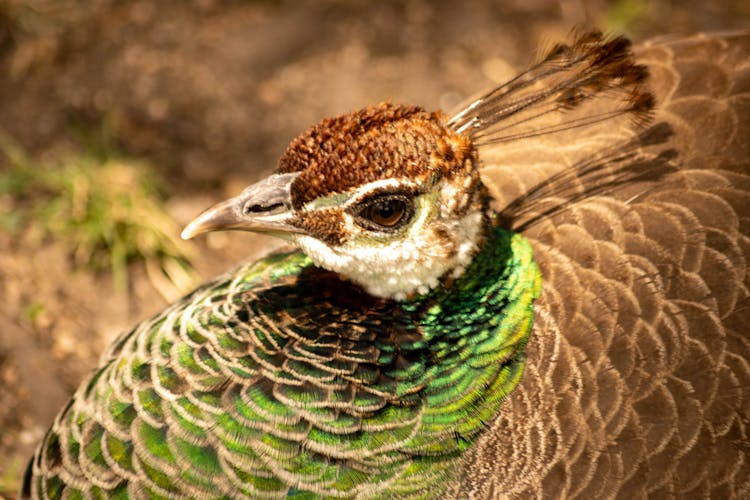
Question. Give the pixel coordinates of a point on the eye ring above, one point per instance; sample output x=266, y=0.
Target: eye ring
x=385, y=213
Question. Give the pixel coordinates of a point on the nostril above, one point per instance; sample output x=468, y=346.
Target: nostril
x=257, y=208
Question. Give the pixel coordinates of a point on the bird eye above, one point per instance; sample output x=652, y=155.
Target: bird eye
x=386, y=213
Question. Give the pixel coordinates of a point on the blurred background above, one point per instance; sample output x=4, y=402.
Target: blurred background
x=122, y=120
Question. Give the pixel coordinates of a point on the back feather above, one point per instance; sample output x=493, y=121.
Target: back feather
x=638, y=379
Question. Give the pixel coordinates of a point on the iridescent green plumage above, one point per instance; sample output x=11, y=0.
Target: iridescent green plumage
x=282, y=379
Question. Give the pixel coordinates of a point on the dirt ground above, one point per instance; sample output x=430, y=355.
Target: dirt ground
x=209, y=92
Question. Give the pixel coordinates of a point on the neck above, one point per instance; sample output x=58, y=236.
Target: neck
x=475, y=332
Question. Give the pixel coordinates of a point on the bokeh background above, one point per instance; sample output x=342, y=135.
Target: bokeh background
x=122, y=120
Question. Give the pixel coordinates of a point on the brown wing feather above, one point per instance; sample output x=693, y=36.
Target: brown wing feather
x=638, y=381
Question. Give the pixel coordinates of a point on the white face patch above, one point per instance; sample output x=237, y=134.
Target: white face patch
x=435, y=243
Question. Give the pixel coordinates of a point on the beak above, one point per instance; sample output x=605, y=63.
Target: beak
x=264, y=207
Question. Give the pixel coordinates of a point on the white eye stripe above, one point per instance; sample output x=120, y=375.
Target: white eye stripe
x=383, y=185
x=356, y=196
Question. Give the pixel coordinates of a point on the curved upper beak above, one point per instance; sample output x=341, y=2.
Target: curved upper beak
x=264, y=207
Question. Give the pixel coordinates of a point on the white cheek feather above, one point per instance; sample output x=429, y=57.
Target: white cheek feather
x=411, y=262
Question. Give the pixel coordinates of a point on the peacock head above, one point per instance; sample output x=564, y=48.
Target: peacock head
x=387, y=196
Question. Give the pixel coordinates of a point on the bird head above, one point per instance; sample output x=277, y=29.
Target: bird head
x=387, y=196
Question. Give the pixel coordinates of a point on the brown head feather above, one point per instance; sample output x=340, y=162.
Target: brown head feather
x=373, y=143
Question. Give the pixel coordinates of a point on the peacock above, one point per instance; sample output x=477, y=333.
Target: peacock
x=544, y=294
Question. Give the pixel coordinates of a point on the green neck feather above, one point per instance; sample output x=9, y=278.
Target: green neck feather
x=475, y=333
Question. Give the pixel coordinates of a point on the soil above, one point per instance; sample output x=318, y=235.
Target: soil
x=209, y=92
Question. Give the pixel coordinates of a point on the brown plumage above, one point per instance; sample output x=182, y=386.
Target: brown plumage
x=638, y=380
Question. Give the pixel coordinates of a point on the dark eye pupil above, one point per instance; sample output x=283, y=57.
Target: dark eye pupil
x=387, y=213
